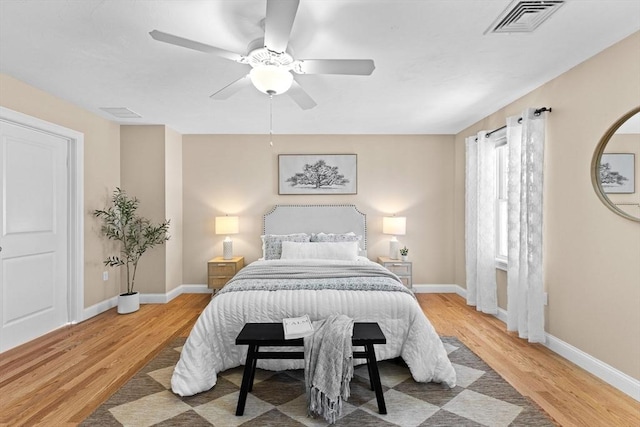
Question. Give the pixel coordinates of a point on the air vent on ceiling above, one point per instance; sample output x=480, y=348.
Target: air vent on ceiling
x=121, y=112
x=524, y=16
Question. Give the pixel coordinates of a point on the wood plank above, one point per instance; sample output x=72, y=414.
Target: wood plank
x=566, y=392
x=61, y=378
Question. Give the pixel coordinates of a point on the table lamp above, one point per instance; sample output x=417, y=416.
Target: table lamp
x=227, y=225
x=396, y=226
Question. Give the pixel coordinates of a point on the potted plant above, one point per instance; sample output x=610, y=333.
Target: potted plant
x=404, y=253
x=136, y=235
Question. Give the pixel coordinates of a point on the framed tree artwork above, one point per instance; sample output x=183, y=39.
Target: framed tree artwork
x=317, y=174
x=617, y=173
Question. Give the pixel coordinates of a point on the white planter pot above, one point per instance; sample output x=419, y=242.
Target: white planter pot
x=128, y=303
x=404, y=257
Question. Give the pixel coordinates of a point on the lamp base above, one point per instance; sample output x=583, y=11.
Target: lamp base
x=393, y=249
x=227, y=249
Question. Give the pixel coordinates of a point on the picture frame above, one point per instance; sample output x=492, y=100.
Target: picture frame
x=617, y=173
x=317, y=174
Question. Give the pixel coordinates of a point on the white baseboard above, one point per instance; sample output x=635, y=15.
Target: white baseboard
x=437, y=289
x=502, y=315
x=195, y=289
x=605, y=372
x=98, y=308
x=175, y=292
x=105, y=305
x=155, y=298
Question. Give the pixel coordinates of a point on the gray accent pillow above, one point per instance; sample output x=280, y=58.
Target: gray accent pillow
x=272, y=243
x=335, y=237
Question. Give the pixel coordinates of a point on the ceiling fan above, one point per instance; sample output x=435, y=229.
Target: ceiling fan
x=271, y=64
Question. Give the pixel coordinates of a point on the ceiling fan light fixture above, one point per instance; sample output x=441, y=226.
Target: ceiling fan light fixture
x=271, y=79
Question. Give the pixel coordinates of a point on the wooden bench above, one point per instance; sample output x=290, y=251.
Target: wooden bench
x=257, y=335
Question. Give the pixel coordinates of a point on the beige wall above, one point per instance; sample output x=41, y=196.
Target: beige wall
x=151, y=170
x=237, y=174
x=592, y=256
x=101, y=171
x=142, y=156
x=173, y=208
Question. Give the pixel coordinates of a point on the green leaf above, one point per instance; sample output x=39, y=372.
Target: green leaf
x=135, y=234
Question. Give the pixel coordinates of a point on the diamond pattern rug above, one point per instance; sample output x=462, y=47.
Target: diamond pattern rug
x=481, y=398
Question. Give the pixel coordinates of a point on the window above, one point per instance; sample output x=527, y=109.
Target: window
x=502, y=173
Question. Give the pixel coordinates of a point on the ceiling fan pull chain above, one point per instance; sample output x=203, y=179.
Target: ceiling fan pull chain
x=271, y=120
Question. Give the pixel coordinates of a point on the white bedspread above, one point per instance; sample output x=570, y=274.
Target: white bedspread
x=211, y=346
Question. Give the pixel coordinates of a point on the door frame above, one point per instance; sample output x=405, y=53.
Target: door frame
x=75, y=187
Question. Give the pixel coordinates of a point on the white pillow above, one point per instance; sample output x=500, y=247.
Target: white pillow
x=345, y=251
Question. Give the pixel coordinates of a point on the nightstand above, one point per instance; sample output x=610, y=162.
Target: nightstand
x=402, y=269
x=220, y=270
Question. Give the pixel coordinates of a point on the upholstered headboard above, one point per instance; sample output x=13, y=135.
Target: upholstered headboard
x=287, y=219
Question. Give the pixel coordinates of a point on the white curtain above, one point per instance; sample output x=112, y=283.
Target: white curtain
x=480, y=223
x=525, y=294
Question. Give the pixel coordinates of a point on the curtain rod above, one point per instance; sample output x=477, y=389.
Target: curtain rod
x=535, y=113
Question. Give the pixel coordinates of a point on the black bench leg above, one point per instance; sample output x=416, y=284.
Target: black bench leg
x=253, y=368
x=247, y=379
x=370, y=373
x=374, y=375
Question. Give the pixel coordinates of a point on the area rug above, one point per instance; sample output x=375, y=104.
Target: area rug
x=481, y=398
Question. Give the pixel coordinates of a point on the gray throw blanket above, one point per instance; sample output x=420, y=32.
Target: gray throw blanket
x=329, y=366
x=259, y=276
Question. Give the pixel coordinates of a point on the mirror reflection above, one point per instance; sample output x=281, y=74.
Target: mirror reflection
x=618, y=167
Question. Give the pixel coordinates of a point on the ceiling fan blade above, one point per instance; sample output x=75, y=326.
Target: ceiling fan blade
x=278, y=23
x=232, y=88
x=190, y=44
x=300, y=97
x=363, y=67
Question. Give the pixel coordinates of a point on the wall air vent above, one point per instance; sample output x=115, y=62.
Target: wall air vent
x=121, y=112
x=524, y=16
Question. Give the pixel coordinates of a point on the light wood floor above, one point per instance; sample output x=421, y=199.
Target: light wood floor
x=61, y=378
x=570, y=395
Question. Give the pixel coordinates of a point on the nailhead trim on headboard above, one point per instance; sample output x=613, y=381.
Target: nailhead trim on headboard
x=355, y=209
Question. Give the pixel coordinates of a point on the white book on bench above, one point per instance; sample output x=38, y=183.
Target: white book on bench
x=297, y=327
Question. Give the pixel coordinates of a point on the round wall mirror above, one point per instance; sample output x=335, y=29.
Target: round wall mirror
x=615, y=168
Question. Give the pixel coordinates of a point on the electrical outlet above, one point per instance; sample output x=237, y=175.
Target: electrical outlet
x=546, y=298
x=105, y=275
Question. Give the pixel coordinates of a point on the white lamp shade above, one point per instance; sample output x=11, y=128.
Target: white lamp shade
x=395, y=225
x=227, y=225
x=271, y=79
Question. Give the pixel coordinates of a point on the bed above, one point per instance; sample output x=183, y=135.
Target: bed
x=314, y=262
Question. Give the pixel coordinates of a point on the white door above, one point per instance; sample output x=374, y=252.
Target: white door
x=33, y=233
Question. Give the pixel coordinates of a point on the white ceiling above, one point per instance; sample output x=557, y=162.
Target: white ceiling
x=436, y=72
